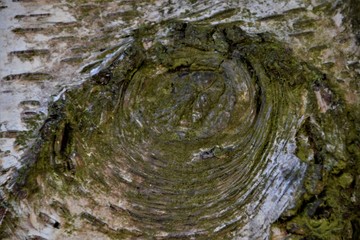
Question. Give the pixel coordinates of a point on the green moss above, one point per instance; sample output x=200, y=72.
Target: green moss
x=8, y=220
x=345, y=180
x=166, y=115
x=304, y=24
x=327, y=208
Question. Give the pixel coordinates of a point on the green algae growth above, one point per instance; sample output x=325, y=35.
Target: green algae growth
x=188, y=132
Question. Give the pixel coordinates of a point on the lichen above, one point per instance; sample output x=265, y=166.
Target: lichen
x=327, y=209
x=183, y=129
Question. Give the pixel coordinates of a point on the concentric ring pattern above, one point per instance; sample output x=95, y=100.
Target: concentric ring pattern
x=188, y=133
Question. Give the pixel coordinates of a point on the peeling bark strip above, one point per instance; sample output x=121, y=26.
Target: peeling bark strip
x=33, y=15
x=28, y=30
x=30, y=53
x=37, y=76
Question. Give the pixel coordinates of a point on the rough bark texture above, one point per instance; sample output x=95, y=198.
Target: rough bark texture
x=184, y=119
